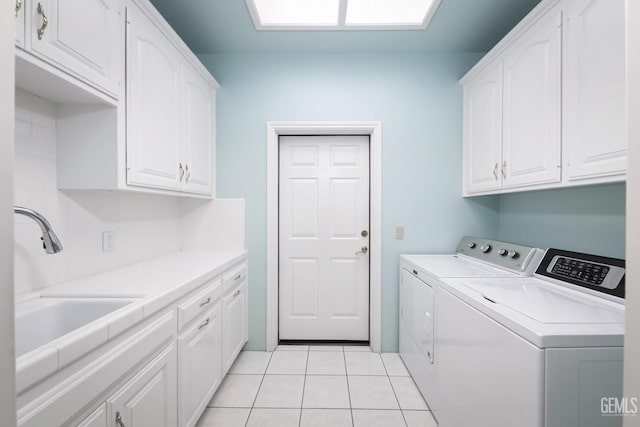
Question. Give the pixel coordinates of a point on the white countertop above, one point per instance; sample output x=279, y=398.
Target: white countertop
x=148, y=278
x=157, y=282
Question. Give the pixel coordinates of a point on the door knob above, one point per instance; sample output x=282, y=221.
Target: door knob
x=363, y=250
x=364, y=233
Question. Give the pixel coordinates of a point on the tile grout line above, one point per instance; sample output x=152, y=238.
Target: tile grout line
x=304, y=384
x=258, y=392
x=393, y=389
x=346, y=374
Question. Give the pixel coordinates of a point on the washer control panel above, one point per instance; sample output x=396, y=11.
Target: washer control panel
x=519, y=258
x=601, y=274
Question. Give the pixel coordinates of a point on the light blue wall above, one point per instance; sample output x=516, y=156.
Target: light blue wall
x=583, y=219
x=419, y=101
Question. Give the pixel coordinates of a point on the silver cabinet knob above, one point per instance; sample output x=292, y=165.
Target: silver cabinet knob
x=119, y=422
x=45, y=21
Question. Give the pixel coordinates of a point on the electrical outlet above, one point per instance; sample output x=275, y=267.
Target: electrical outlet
x=399, y=233
x=107, y=241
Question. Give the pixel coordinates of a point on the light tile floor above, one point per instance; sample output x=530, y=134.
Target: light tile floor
x=317, y=386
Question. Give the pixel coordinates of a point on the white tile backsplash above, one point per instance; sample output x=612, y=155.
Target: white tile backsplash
x=145, y=225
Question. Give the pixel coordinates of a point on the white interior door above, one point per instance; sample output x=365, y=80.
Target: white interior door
x=324, y=238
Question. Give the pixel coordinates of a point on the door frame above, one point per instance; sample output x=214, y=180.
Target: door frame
x=374, y=131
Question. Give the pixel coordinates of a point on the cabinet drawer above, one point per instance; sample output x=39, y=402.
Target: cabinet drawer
x=199, y=303
x=234, y=277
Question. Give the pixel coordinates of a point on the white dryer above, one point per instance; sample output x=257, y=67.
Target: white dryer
x=533, y=351
x=419, y=277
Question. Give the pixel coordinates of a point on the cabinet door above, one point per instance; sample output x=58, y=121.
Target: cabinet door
x=98, y=418
x=234, y=324
x=532, y=105
x=150, y=398
x=20, y=6
x=482, y=133
x=199, y=128
x=594, y=88
x=81, y=37
x=200, y=370
x=153, y=106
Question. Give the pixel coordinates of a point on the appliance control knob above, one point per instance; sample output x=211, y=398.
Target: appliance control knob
x=485, y=248
x=472, y=245
x=502, y=251
x=513, y=254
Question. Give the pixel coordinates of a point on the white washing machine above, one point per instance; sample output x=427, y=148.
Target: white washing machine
x=419, y=276
x=532, y=351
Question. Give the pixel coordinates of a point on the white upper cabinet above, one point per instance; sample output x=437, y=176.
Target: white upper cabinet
x=80, y=37
x=594, y=89
x=562, y=101
x=170, y=114
x=483, y=131
x=159, y=137
x=20, y=18
x=199, y=133
x=153, y=106
x=531, y=113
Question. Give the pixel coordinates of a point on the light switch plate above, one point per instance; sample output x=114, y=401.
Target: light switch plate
x=399, y=233
x=107, y=241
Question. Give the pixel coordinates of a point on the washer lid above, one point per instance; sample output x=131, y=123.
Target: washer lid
x=546, y=303
x=440, y=266
x=545, y=314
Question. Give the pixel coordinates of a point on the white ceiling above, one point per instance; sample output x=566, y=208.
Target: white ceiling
x=225, y=26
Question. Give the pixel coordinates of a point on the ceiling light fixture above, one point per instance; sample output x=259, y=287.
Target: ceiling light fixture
x=342, y=14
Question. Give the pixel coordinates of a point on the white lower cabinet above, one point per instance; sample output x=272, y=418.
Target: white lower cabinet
x=234, y=311
x=160, y=373
x=200, y=370
x=150, y=397
x=98, y=418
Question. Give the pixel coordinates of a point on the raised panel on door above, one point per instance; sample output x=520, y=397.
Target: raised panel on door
x=234, y=307
x=97, y=418
x=20, y=13
x=153, y=100
x=323, y=212
x=150, y=398
x=199, y=129
x=482, y=132
x=82, y=37
x=532, y=104
x=594, y=116
x=200, y=370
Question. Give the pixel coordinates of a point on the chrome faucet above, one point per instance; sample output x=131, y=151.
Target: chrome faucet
x=49, y=239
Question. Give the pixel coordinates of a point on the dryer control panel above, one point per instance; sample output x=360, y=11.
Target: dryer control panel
x=596, y=273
